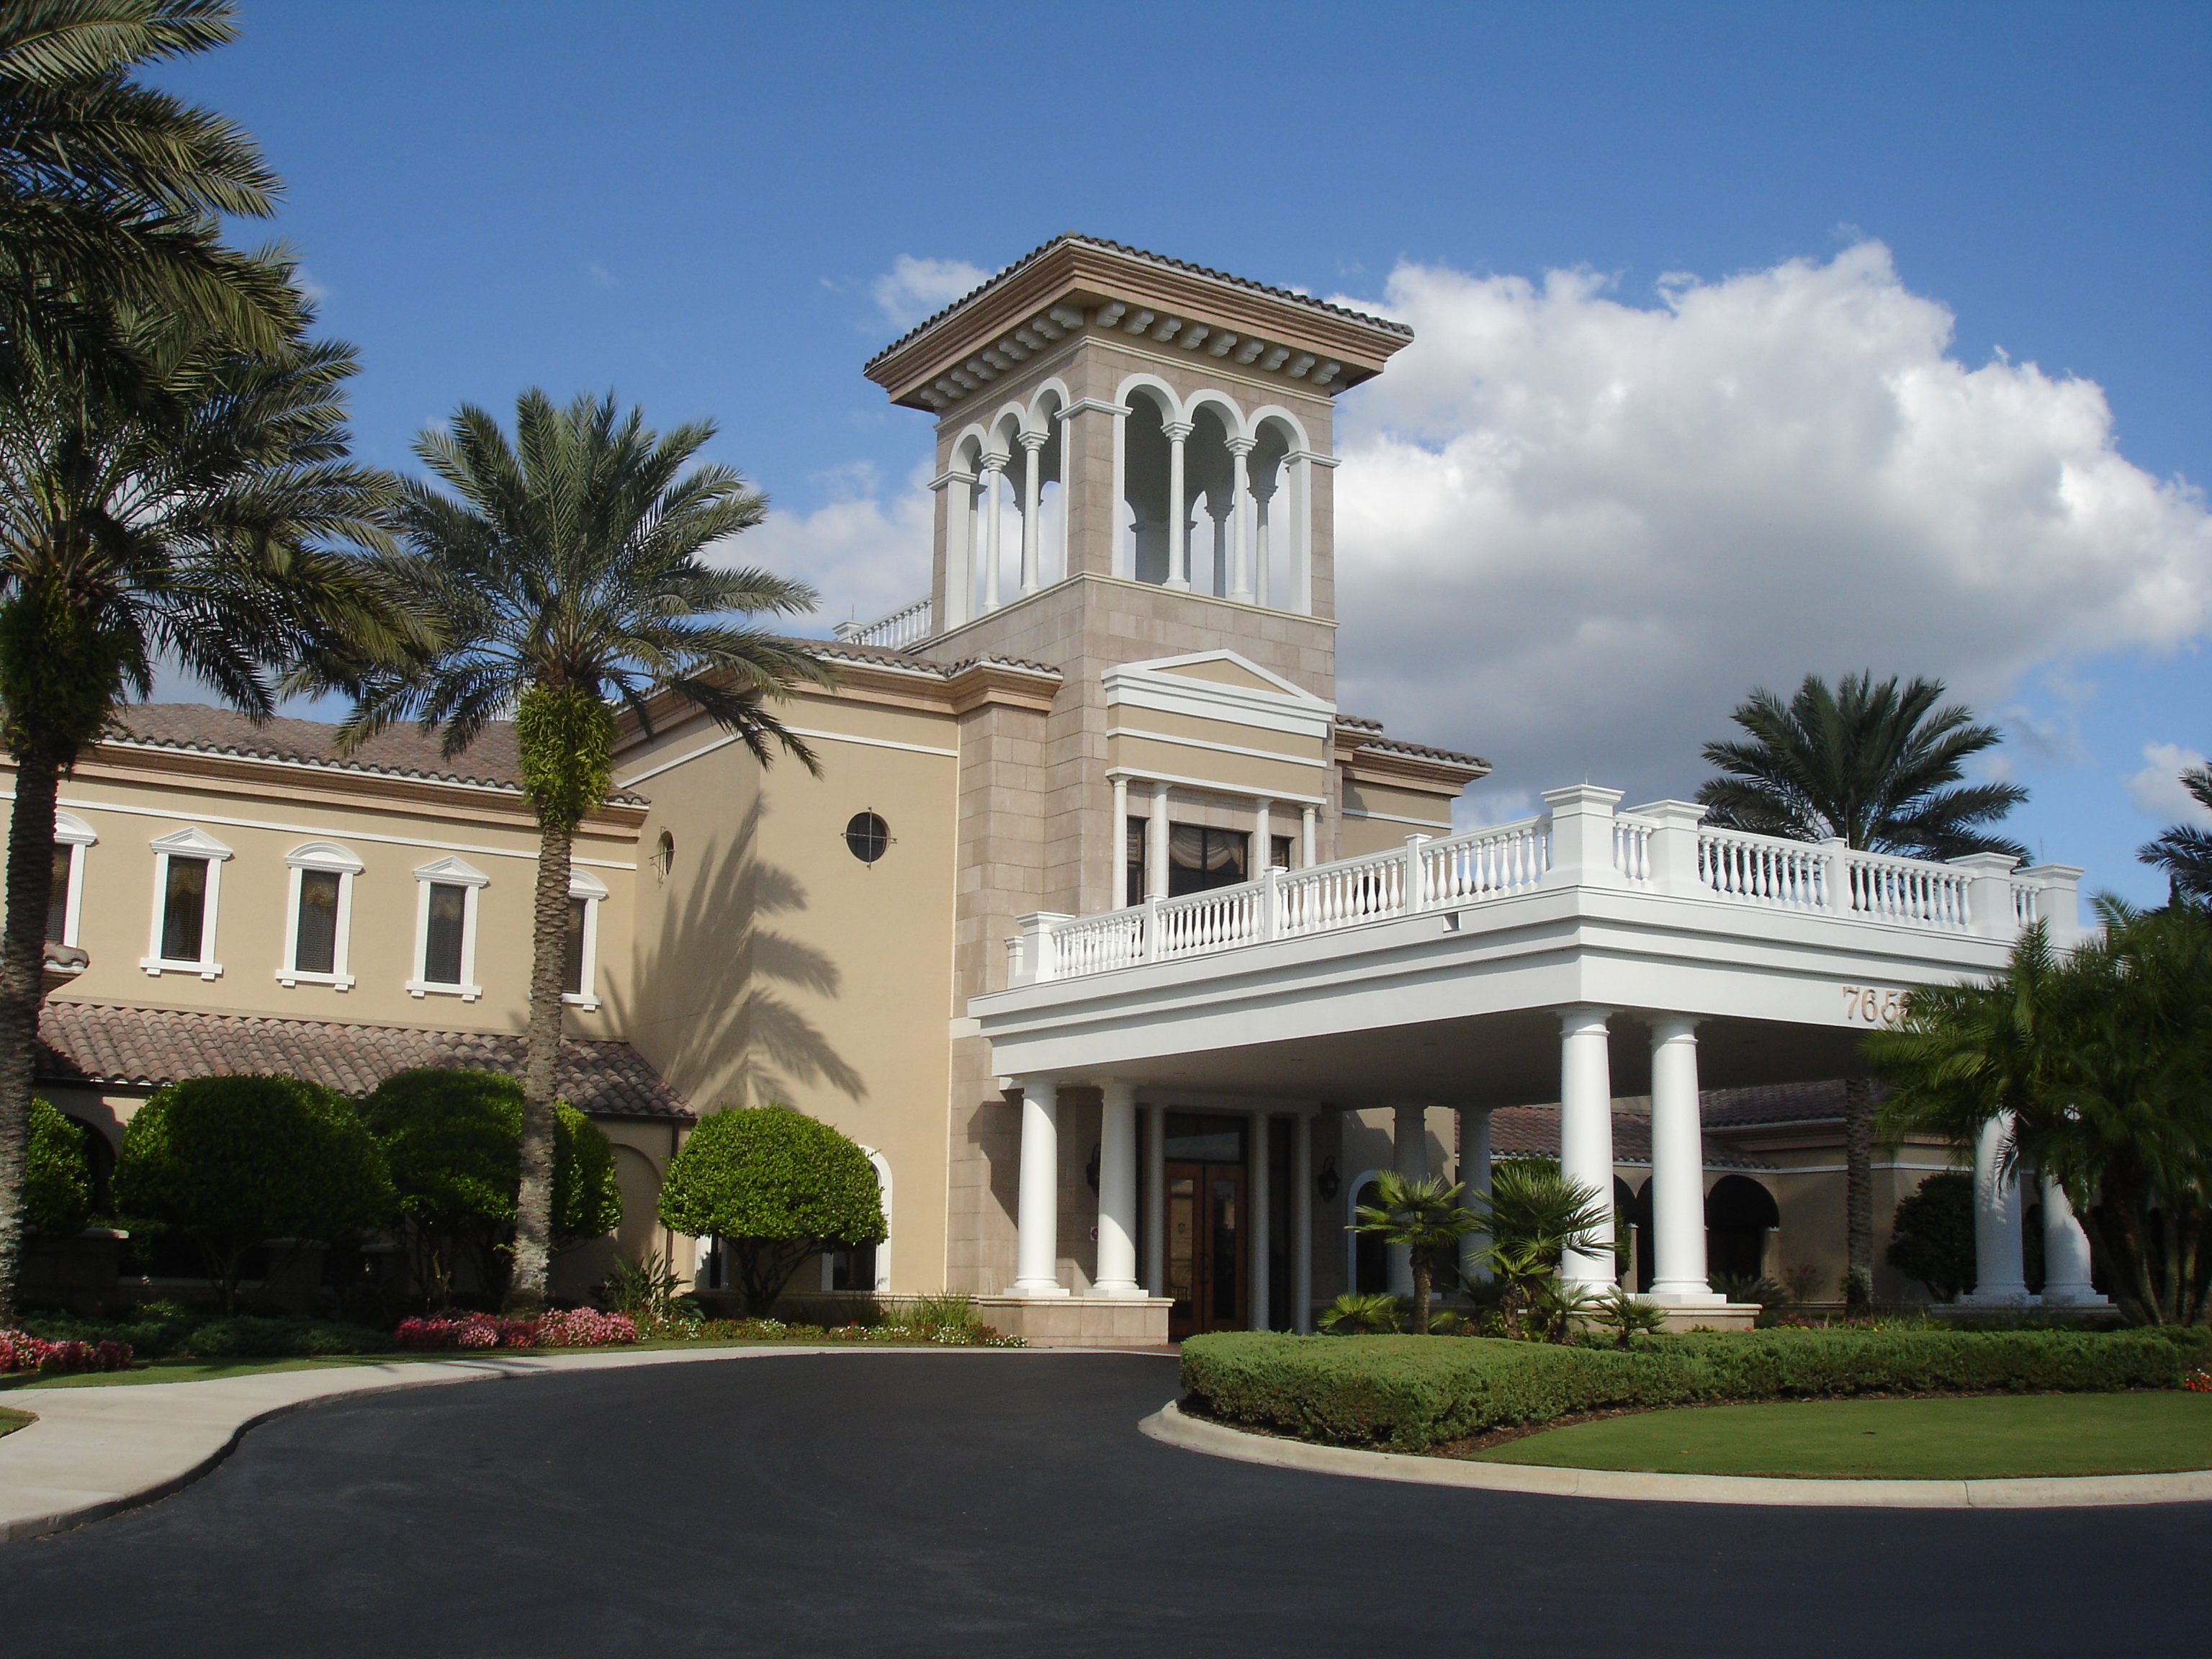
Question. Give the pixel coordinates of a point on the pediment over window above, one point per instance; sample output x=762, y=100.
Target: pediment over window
x=1221, y=685
x=192, y=843
x=323, y=855
x=456, y=871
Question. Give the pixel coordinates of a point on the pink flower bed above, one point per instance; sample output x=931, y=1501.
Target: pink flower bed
x=561, y=1327
x=22, y=1351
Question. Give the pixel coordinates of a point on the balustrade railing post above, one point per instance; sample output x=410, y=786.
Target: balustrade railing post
x=1835, y=875
x=2058, y=902
x=1034, y=944
x=1581, y=836
x=1416, y=882
x=1152, y=928
x=1674, y=845
x=1271, y=902
x=1988, y=894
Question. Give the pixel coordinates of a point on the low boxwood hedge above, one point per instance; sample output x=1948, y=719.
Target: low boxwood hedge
x=1408, y=1393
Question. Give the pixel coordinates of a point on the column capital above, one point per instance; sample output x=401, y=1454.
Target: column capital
x=1242, y=445
x=1178, y=430
x=1583, y=1017
x=1033, y=441
x=1675, y=1028
x=993, y=461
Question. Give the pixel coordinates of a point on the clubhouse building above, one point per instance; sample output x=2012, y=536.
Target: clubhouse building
x=1128, y=955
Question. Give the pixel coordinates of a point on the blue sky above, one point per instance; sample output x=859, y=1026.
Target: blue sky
x=696, y=204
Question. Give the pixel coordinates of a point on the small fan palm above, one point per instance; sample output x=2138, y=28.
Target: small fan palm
x=1872, y=764
x=2184, y=852
x=1535, y=1215
x=1422, y=1217
x=565, y=571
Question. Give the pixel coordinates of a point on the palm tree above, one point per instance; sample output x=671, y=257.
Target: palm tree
x=1535, y=1214
x=1421, y=1216
x=191, y=519
x=565, y=572
x=1878, y=767
x=2184, y=852
x=110, y=190
x=2099, y=1059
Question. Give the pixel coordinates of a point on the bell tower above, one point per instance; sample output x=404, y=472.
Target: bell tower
x=1133, y=459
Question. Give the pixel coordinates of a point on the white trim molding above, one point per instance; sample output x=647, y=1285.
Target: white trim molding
x=447, y=872
x=325, y=858
x=191, y=843
x=74, y=833
x=582, y=884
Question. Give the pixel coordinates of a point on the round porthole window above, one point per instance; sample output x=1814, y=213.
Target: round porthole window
x=866, y=837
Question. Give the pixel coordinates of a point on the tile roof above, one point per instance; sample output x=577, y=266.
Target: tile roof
x=1777, y=1103
x=1036, y=253
x=144, y=1047
x=1534, y=1131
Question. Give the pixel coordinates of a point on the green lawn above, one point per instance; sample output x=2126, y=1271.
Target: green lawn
x=11, y=1421
x=1979, y=1438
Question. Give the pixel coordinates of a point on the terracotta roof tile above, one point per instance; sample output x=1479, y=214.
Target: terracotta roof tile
x=492, y=762
x=144, y=1047
x=1534, y=1131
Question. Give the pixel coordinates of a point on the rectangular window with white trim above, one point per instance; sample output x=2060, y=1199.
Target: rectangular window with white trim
x=187, y=894
x=73, y=837
x=447, y=896
x=580, y=965
x=321, y=916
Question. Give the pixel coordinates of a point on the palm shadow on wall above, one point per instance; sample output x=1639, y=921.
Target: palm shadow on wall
x=719, y=979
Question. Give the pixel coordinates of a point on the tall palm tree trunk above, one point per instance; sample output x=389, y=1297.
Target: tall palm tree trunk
x=533, y=1209
x=1858, y=1197
x=23, y=974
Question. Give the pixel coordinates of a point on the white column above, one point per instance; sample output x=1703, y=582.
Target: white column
x=1302, y=1240
x=994, y=467
x=1156, y=851
x=1309, y=828
x=1474, y=1177
x=1263, y=503
x=2000, y=1272
x=1678, y=1165
x=2065, y=1254
x=959, y=547
x=1036, y=1216
x=1258, y=1167
x=1031, y=539
x=1263, y=839
x=1117, y=1191
x=1117, y=848
x=1409, y=1156
x=1586, y=1134
x=1240, y=523
x=1155, y=1200
x=1178, y=509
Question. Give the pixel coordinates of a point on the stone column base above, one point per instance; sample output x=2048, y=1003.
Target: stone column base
x=1079, y=1321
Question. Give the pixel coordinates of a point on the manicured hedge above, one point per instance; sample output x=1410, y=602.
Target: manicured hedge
x=162, y=1336
x=1407, y=1393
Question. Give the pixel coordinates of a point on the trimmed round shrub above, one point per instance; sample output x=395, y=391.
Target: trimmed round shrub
x=454, y=1140
x=231, y=1162
x=57, y=1178
x=776, y=1187
x=1932, y=1238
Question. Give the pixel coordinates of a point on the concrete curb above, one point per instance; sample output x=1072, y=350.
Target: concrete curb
x=1171, y=1425
x=94, y=1451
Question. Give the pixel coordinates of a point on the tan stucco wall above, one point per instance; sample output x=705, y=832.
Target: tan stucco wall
x=769, y=964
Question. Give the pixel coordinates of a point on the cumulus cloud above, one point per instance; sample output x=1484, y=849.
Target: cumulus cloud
x=2156, y=790
x=914, y=289
x=600, y=277
x=1572, y=531
x=864, y=554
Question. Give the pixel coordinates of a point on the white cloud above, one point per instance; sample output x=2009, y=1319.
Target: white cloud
x=601, y=277
x=1572, y=533
x=866, y=555
x=914, y=289
x=2157, y=791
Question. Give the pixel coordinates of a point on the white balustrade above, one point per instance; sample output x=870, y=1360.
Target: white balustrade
x=1649, y=855
x=1764, y=870
x=907, y=625
x=1908, y=891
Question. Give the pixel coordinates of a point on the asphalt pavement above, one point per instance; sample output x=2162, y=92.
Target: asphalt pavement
x=989, y=1504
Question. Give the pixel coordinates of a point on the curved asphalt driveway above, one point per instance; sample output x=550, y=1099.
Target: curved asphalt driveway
x=947, y=1503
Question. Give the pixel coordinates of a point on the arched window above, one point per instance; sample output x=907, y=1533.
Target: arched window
x=1740, y=1213
x=1144, y=467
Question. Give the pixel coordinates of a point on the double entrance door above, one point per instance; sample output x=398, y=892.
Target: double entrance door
x=1208, y=1246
